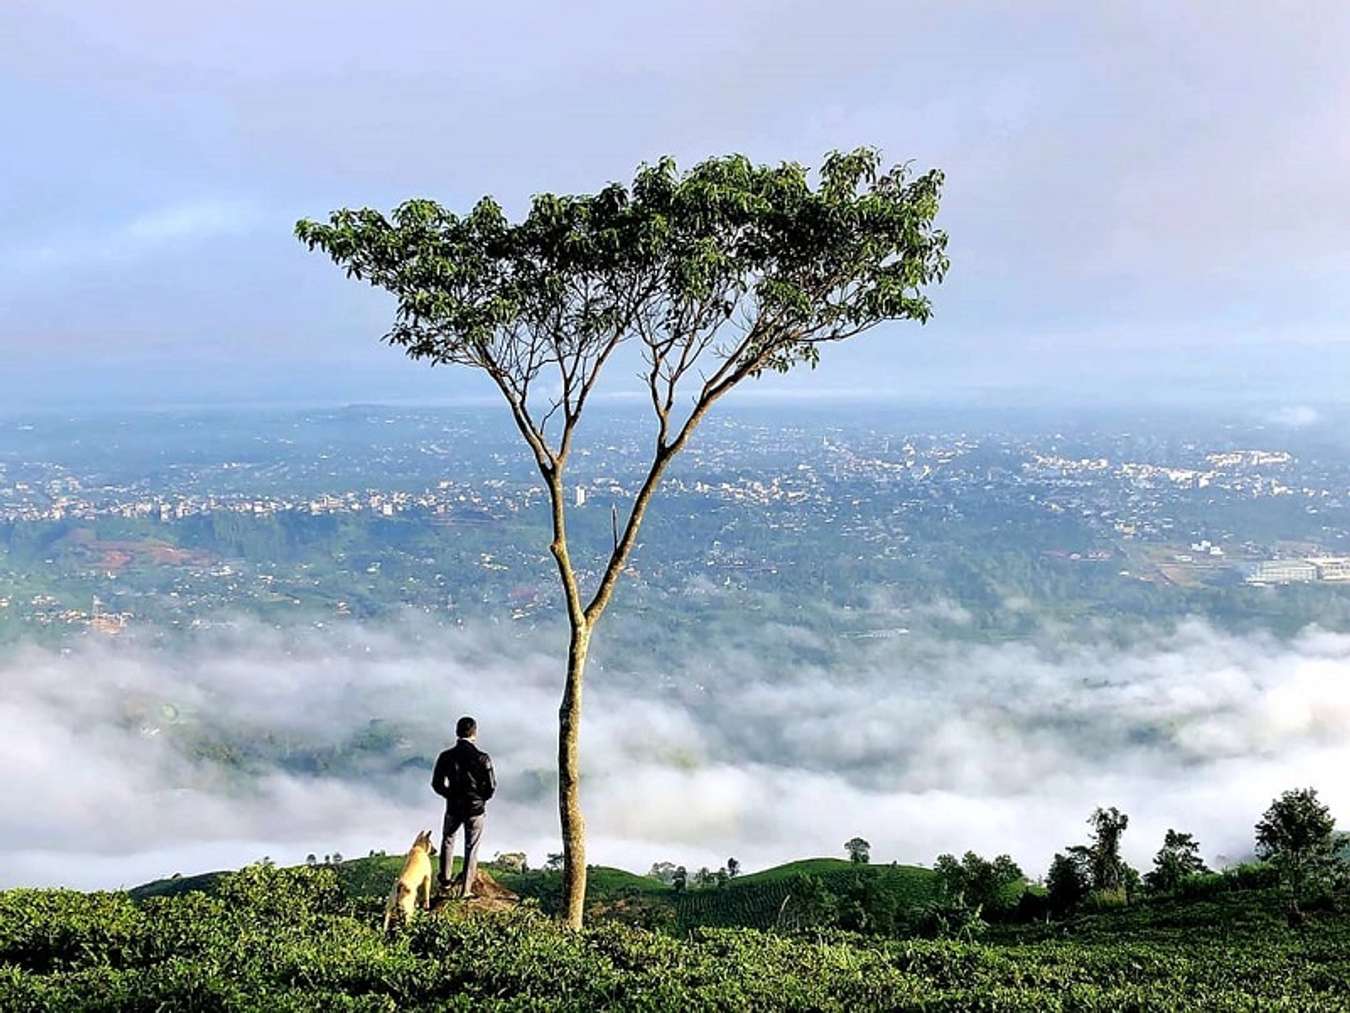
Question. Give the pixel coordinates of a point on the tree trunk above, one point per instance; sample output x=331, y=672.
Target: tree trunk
x=569, y=782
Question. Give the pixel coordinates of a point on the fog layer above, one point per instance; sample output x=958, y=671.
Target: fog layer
x=124, y=762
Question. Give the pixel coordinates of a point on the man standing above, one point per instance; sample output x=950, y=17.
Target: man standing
x=465, y=779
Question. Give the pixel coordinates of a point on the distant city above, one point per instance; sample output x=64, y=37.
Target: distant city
x=175, y=520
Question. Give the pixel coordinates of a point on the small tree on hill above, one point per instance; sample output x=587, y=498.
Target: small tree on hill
x=1297, y=835
x=858, y=850
x=733, y=868
x=717, y=275
x=680, y=880
x=1178, y=858
x=553, y=862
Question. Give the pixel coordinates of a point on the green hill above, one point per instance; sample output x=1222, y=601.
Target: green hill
x=755, y=900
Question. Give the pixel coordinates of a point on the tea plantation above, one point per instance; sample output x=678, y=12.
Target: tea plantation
x=309, y=939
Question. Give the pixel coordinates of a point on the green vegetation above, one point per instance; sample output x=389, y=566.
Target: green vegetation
x=295, y=939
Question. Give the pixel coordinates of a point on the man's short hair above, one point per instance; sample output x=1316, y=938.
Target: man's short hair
x=466, y=727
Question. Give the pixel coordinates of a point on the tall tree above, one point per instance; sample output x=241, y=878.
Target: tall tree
x=717, y=274
x=1108, y=868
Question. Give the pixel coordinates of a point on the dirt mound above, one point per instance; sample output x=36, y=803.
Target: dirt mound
x=488, y=894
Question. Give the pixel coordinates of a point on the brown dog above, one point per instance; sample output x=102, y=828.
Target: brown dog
x=413, y=885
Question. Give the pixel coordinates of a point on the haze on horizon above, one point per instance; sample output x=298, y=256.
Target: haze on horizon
x=1147, y=202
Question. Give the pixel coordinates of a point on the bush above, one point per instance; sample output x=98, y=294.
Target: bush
x=1106, y=900
x=951, y=918
x=1203, y=886
x=1252, y=876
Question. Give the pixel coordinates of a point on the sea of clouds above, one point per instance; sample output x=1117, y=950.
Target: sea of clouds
x=129, y=761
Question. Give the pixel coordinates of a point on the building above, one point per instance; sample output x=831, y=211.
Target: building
x=1282, y=571
x=1332, y=567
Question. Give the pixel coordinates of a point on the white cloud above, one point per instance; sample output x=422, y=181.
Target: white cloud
x=921, y=746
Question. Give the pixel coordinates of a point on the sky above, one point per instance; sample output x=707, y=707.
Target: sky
x=1146, y=201
x=999, y=748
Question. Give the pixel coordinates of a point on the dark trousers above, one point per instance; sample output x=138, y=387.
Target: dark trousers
x=473, y=834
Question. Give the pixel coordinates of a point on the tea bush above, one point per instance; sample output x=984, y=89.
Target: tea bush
x=288, y=940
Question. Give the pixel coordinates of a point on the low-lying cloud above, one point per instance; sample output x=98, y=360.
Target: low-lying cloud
x=126, y=761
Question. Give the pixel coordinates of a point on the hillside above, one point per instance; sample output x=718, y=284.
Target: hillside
x=756, y=900
x=293, y=939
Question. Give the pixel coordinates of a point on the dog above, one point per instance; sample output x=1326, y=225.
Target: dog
x=413, y=886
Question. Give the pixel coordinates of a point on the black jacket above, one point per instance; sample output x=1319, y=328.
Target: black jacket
x=464, y=778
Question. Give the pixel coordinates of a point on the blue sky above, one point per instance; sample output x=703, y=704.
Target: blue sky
x=1145, y=200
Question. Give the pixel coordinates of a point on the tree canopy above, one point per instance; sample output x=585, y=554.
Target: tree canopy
x=754, y=266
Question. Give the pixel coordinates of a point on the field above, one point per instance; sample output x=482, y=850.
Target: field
x=309, y=939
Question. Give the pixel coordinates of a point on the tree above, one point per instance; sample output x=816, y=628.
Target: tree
x=1297, y=835
x=858, y=850
x=553, y=862
x=717, y=275
x=664, y=871
x=1108, y=870
x=512, y=861
x=733, y=868
x=809, y=904
x=680, y=880
x=871, y=903
x=1068, y=880
x=1178, y=858
x=311, y=859
x=703, y=878
x=983, y=884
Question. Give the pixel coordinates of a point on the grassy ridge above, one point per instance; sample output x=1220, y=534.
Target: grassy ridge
x=754, y=900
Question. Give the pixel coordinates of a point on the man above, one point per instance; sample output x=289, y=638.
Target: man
x=465, y=779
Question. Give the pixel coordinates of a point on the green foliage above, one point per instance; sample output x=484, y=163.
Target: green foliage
x=1297, y=835
x=679, y=251
x=951, y=916
x=61, y=951
x=992, y=887
x=1177, y=861
x=1068, y=880
x=858, y=850
x=1107, y=868
x=821, y=893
